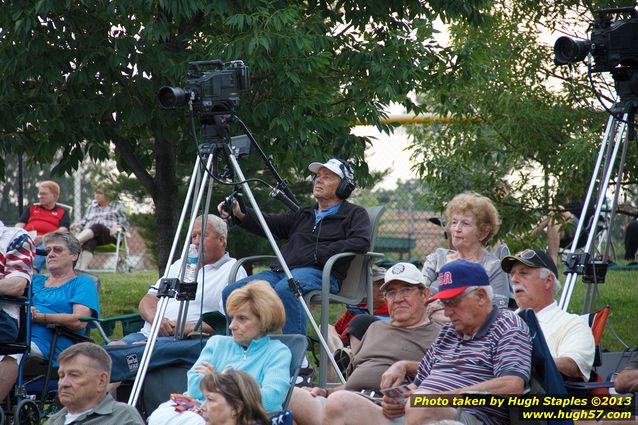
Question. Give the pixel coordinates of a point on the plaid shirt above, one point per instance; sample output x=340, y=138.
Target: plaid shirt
x=109, y=215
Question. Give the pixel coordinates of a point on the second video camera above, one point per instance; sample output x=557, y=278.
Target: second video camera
x=612, y=43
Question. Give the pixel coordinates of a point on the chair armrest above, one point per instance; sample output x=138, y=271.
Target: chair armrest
x=232, y=275
x=332, y=260
x=13, y=300
x=587, y=385
x=130, y=323
x=72, y=335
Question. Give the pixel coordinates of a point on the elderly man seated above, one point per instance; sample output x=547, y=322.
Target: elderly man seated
x=482, y=348
x=84, y=375
x=535, y=282
x=212, y=278
x=406, y=336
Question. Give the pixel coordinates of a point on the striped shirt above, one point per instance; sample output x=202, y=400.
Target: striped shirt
x=109, y=215
x=16, y=259
x=501, y=347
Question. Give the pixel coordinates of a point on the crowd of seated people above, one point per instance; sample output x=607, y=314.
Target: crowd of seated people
x=467, y=283
x=60, y=297
x=406, y=335
x=255, y=311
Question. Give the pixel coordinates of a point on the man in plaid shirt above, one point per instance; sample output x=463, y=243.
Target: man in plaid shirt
x=16, y=270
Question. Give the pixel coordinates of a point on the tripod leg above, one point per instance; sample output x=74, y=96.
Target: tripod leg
x=163, y=304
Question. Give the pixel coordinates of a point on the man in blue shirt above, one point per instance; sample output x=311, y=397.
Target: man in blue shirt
x=313, y=235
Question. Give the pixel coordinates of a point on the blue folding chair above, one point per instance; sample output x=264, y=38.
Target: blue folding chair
x=544, y=371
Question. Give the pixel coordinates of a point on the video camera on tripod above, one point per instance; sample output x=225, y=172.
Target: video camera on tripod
x=613, y=48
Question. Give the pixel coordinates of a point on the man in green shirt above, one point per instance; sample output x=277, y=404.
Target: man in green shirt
x=84, y=372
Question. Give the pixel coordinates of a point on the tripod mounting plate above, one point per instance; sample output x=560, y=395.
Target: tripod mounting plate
x=593, y=271
x=173, y=288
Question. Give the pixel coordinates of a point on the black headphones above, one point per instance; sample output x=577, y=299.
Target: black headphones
x=346, y=185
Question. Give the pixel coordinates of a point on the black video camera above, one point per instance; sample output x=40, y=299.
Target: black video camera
x=212, y=87
x=612, y=44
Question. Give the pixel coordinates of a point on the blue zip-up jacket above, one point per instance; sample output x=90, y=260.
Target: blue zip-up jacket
x=266, y=360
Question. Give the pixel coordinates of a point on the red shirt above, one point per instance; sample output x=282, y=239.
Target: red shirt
x=341, y=325
x=43, y=220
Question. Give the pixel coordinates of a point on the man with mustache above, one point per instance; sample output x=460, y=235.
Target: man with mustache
x=535, y=282
x=482, y=349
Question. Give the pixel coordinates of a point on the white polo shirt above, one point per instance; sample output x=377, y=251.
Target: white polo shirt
x=215, y=278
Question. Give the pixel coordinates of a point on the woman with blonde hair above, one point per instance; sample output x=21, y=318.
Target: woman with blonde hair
x=255, y=310
x=472, y=220
x=232, y=398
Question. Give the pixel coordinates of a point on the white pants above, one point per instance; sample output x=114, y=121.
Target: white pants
x=165, y=414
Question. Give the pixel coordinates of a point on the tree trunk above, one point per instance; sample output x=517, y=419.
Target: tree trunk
x=167, y=208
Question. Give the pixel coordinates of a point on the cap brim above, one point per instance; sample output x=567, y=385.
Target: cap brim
x=315, y=166
x=508, y=262
x=408, y=281
x=447, y=294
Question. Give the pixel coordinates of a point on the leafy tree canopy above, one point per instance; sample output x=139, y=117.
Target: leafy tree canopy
x=80, y=75
x=524, y=127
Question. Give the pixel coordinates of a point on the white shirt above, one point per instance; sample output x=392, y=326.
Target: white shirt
x=568, y=335
x=215, y=278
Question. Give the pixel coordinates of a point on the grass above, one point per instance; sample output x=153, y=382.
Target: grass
x=120, y=293
x=619, y=292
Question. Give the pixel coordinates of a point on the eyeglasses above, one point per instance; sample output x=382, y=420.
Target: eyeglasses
x=55, y=249
x=453, y=302
x=528, y=254
x=402, y=292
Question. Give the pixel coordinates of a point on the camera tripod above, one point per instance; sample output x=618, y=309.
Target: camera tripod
x=217, y=144
x=610, y=162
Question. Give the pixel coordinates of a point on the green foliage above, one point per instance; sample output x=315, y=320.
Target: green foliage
x=523, y=127
x=78, y=76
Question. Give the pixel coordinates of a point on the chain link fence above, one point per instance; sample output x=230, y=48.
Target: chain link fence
x=76, y=192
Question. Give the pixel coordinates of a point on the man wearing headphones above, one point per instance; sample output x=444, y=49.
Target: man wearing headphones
x=313, y=235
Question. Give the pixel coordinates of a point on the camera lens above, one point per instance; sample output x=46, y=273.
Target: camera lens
x=172, y=97
x=568, y=51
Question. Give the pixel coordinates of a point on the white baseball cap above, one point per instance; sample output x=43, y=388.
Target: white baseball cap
x=404, y=272
x=333, y=165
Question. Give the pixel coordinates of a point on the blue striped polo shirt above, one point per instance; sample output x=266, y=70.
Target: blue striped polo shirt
x=501, y=347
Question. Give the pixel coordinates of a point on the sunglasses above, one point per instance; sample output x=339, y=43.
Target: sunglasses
x=528, y=254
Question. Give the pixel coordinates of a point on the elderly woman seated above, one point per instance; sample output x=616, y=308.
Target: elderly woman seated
x=472, y=220
x=256, y=310
x=62, y=296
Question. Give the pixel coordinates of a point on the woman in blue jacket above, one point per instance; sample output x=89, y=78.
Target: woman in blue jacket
x=256, y=310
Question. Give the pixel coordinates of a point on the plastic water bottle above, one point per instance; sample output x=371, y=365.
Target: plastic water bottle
x=190, y=274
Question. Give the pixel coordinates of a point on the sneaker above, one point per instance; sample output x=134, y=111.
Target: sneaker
x=306, y=373
x=343, y=358
x=304, y=379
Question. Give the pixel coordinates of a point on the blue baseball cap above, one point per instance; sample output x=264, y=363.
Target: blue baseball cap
x=458, y=275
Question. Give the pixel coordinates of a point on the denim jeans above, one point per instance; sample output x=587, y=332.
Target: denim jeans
x=39, y=260
x=8, y=327
x=308, y=278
